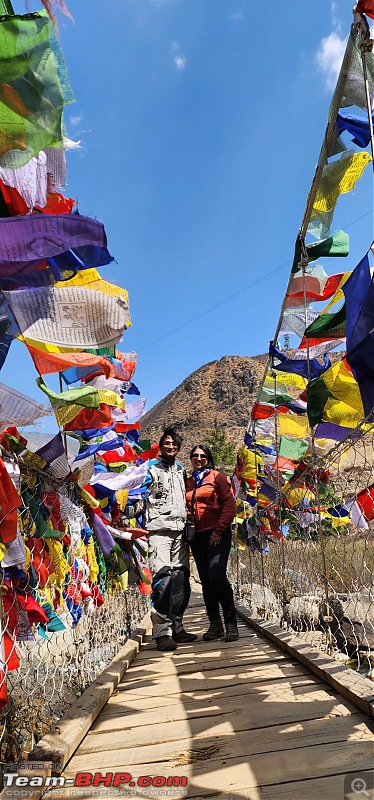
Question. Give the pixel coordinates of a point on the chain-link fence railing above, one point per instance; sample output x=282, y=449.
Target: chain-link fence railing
x=306, y=560
x=64, y=612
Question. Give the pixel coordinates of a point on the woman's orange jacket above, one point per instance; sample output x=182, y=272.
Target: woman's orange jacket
x=214, y=503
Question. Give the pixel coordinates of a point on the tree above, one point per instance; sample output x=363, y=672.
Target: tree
x=223, y=450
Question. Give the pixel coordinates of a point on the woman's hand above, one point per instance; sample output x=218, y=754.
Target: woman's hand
x=214, y=539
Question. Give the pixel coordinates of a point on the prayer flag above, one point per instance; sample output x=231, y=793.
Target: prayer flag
x=359, y=301
x=47, y=363
x=131, y=478
x=352, y=75
x=75, y=316
x=309, y=370
x=338, y=177
x=357, y=126
x=52, y=450
x=34, y=88
x=25, y=241
x=16, y=409
x=336, y=245
x=328, y=430
x=317, y=348
x=328, y=326
x=365, y=7
x=294, y=321
x=335, y=397
x=293, y=425
x=269, y=395
x=317, y=287
x=292, y=449
x=91, y=418
x=86, y=396
x=133, y=411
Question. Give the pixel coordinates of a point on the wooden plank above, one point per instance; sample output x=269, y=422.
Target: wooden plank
x=329, y=788
x=325, y=747
x=164, y=667
x=199, y=651
x=193, y=685
x=259, y=713
x=348, y=683
x=58, y=746
x=278, y=695
x=118, y=700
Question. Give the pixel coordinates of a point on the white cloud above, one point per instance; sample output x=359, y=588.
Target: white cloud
x=334, y=15
x=236, y=15
x=179, y=59
x=180, y=62
x=329, y=57
x=75, y=121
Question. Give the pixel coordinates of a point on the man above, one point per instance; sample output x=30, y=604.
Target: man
x=165, y=519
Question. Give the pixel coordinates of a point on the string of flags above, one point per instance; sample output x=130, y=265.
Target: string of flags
x=312, y=399
x=62, y=545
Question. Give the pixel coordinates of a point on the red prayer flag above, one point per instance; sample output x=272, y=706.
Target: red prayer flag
x=328, y=290
x=58, y=362
x=365, y=7
x=91, y=418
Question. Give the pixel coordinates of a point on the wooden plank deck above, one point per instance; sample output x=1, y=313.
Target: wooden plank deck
x=239, y=720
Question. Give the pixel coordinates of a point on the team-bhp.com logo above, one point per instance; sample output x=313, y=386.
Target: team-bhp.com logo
x=84, y=780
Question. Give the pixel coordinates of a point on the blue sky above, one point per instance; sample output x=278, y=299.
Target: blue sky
x=200, y=124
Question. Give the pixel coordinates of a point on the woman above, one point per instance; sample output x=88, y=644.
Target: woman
x=211, y=509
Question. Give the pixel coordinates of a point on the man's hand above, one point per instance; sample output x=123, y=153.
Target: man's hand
x=214, y=539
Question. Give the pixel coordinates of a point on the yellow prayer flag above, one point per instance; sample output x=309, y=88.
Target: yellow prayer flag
x=342, y=385
x=290, y=379
x=342, y=414
x=293, y=425
x=339, y=177
x=296, y=496
x=48, y=348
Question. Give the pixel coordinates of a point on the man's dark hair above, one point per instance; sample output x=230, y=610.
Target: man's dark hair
x=174, y=436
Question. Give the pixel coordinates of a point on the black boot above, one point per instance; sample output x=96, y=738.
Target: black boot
x=231, y=625
x=183, y=637
x=232, y=633
x=215, y=630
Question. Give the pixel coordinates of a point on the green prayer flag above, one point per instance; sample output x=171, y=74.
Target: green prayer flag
x=291, y=448
x=34, y=88
x=102, y=351
x=336, y=245
x=328, y=325
x=268, y=395
x=317, y=397
x=86, y=396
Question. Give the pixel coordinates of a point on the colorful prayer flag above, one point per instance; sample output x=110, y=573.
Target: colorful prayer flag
x=34, y=88
x=76, y=317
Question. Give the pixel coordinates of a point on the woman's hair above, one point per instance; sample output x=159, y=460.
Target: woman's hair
x=207, y=452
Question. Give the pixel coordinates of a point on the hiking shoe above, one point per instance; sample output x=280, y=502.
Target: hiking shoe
x=166, y=644
x=183, y=637
x=232, y=633
x=215, y=631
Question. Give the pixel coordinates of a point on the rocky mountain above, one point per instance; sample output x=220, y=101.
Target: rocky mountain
x=219, y=394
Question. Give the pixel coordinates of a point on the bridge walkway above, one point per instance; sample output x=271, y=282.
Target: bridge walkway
x=236, y=720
